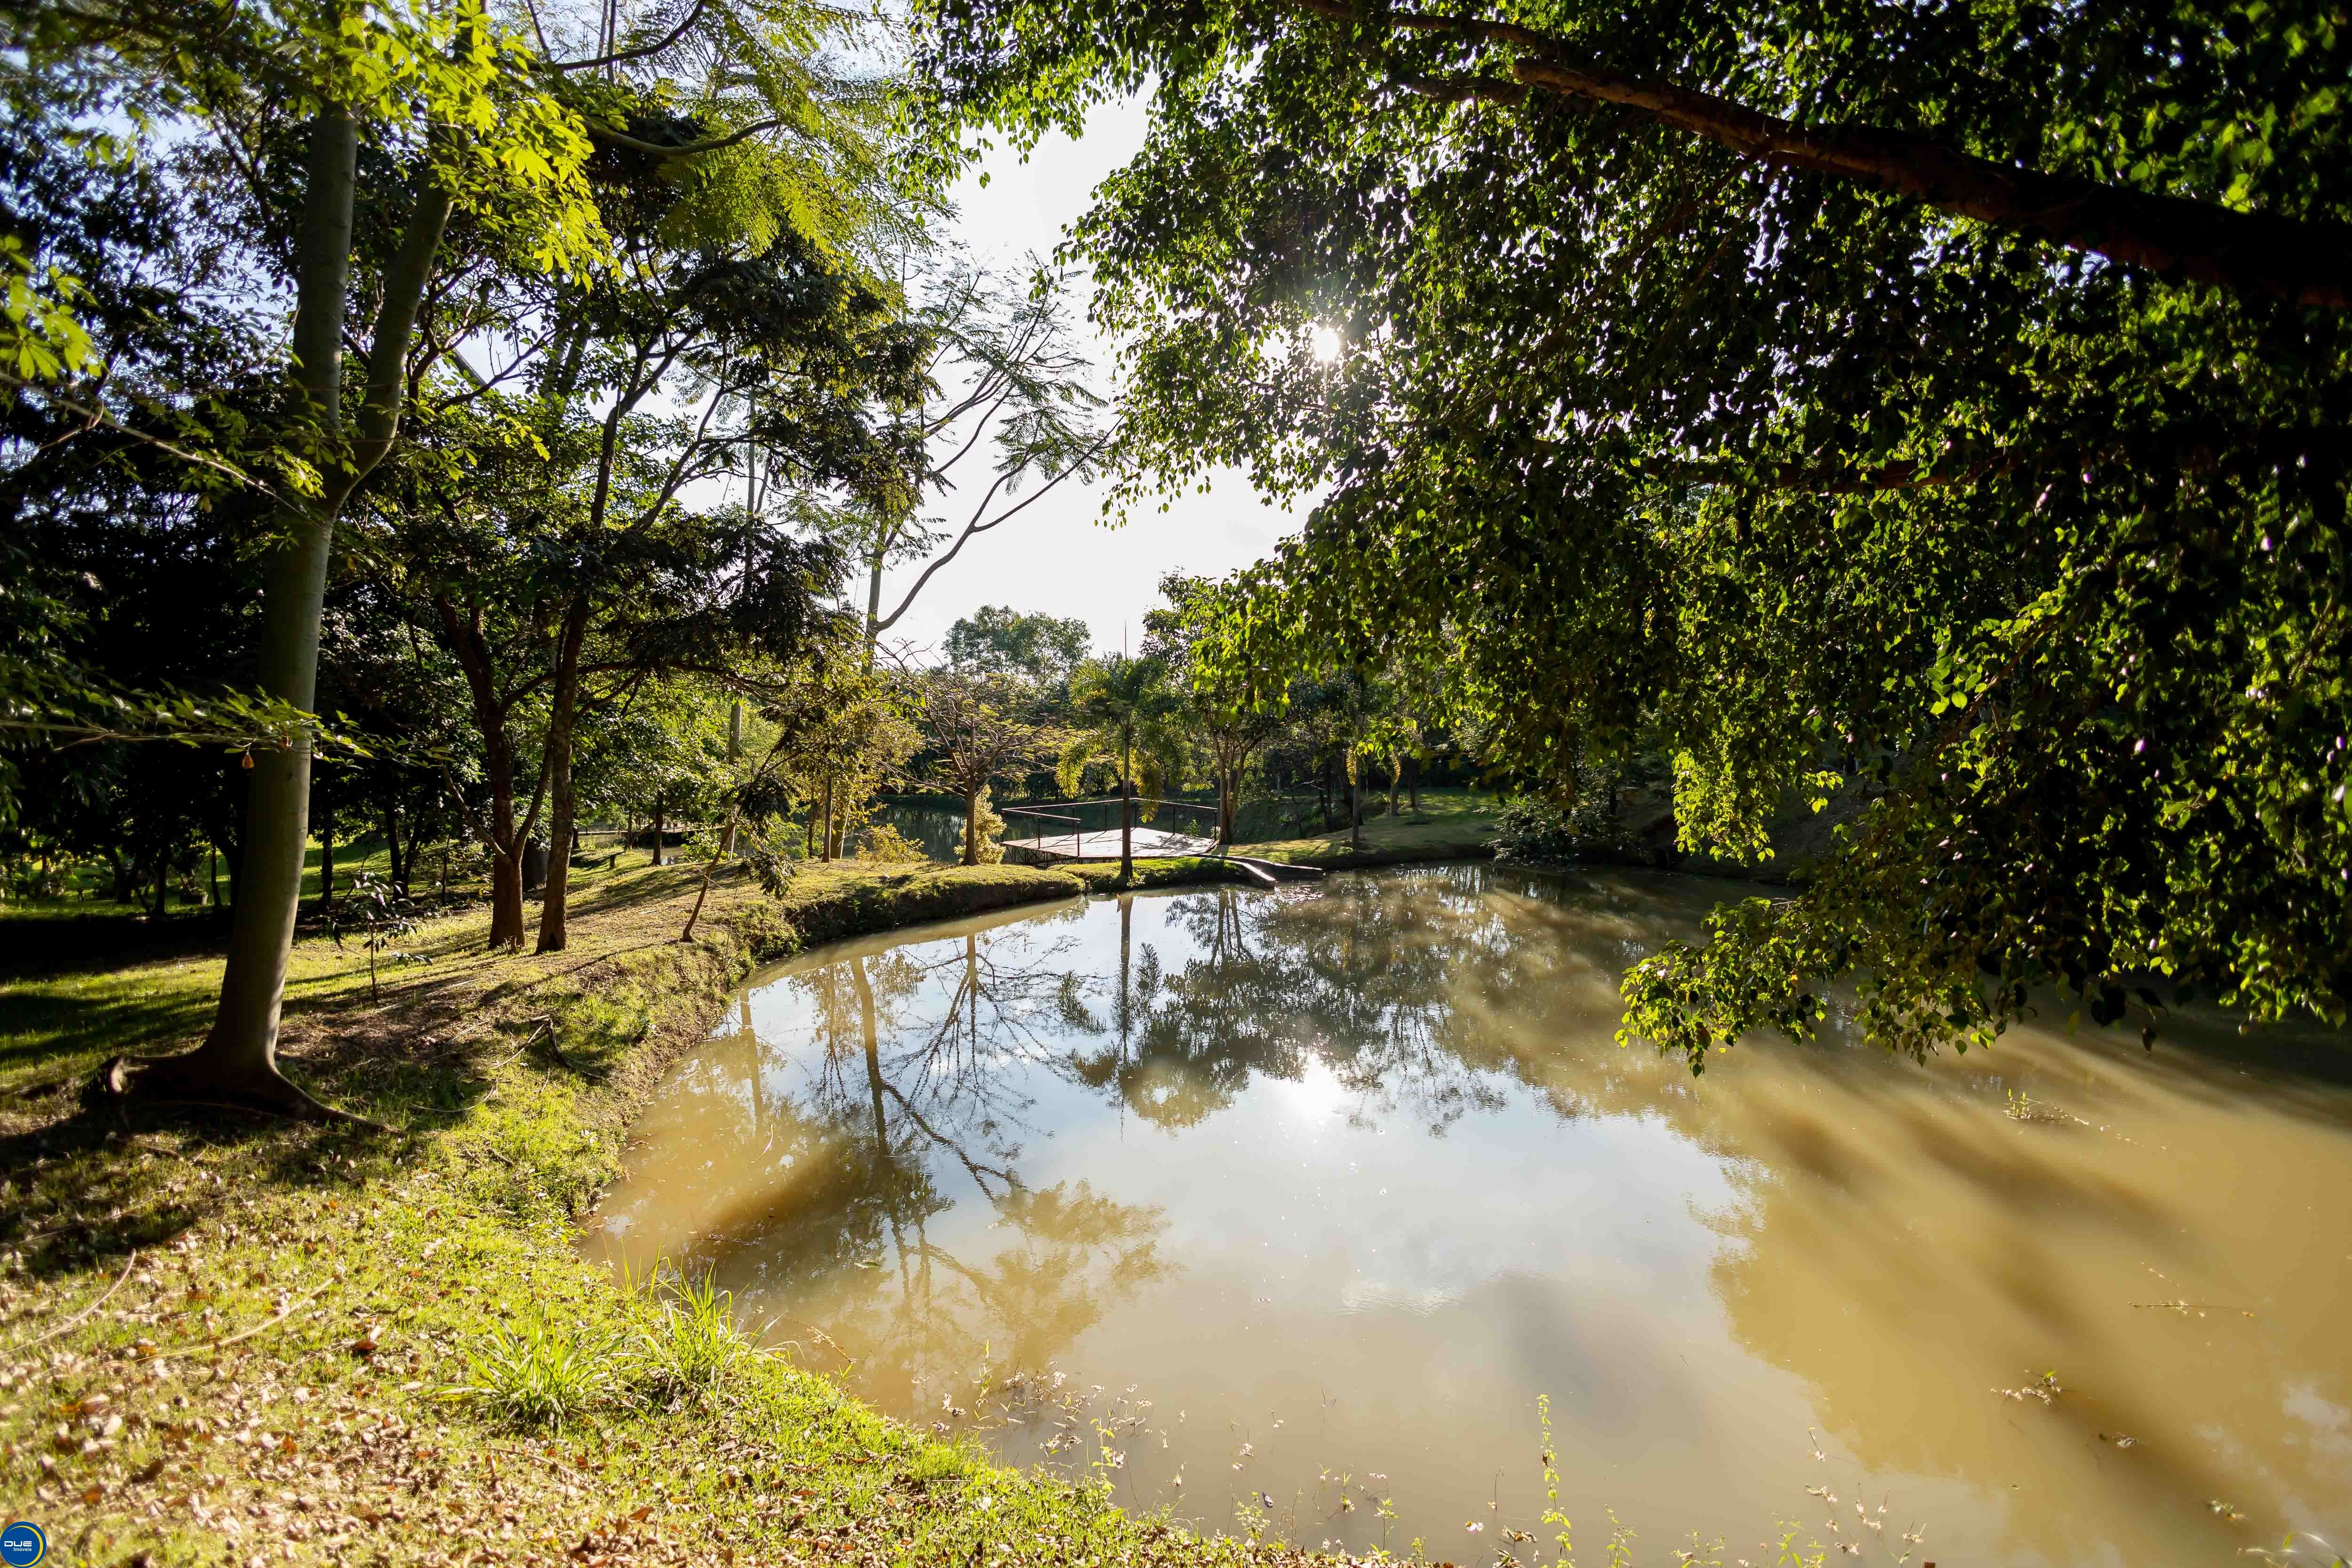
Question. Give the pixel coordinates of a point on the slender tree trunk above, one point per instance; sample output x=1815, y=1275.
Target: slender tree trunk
x=216, y=877
x=735, y=731
x=708, y=867
x=657, y=835
x=553, y=902
x=506, y=898
x=506, y=879
x=553, y=932
x=391, y=850
x=505, y=841
x=972, y=828
x=239, y=1057
x=1126, y=804
x=162, y=888
x=501, y=837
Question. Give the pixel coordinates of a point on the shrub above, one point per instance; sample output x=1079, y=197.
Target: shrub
x=884, y=843
x=991, y=833
x=773, y=856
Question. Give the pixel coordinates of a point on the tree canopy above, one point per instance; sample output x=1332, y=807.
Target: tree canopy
x=1929, y=402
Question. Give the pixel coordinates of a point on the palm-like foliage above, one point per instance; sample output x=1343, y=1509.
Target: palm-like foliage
x=1122, y=704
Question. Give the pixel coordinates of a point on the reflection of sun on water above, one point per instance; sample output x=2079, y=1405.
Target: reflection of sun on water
x=1314, y=1097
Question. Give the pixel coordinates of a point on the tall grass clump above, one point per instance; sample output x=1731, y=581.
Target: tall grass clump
x=542, y=1373
x=689, y=1345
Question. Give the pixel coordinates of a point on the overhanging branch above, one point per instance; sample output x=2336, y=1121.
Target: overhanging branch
x=2303, y=263
x=613, y=138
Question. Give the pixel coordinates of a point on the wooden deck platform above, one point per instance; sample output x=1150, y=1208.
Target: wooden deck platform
x=1102, y=844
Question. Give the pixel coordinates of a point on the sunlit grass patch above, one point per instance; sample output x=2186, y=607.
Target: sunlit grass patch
x=690, y=1344
x=543, y=1371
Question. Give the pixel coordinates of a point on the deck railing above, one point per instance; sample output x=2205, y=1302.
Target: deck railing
x=1078, y=834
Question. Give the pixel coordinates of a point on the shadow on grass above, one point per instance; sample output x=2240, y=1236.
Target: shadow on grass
x=86, y=1188
x=57, y=1025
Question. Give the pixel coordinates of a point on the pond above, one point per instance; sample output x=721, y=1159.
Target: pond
x=1286, y=1207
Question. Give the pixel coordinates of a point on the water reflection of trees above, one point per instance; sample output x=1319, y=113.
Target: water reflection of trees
x=928, y=1061
x=918, y=1055
x=1387, y=983
x=1434, y=993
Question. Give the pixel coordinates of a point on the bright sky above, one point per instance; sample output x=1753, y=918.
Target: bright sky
x=1059, y=556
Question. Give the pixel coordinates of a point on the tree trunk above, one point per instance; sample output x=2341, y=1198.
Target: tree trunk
x=505, y=842
x=552, y=905
x=658, y=836
x=501, y=837
x=735, y=731
x=708, y=867
x=216, y=903
x=239, y=1057
x=1126, y=804
x=162, y=888
x=399, y=871
x=1396, y=777
x=552, y=929
x=505, y=894
x=972, y=828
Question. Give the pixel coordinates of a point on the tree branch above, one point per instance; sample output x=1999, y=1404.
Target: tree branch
x=656, y=150
x=676, y=33
x=2301, y=262
x=976, y=526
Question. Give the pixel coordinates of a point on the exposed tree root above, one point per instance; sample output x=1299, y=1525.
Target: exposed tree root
x=180, y=1080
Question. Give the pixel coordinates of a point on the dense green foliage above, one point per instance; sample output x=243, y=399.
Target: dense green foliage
x=1637, y=436
x=998, y=638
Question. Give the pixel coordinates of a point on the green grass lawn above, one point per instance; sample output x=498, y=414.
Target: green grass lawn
x=1452, y=823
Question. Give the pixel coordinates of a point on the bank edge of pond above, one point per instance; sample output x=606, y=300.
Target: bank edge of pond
x=218, y=1338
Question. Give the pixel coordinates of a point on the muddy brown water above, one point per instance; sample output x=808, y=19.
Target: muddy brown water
x=1282, y=1209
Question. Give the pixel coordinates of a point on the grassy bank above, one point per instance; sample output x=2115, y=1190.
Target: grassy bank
x=1452, y=825
x=229, y=1341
